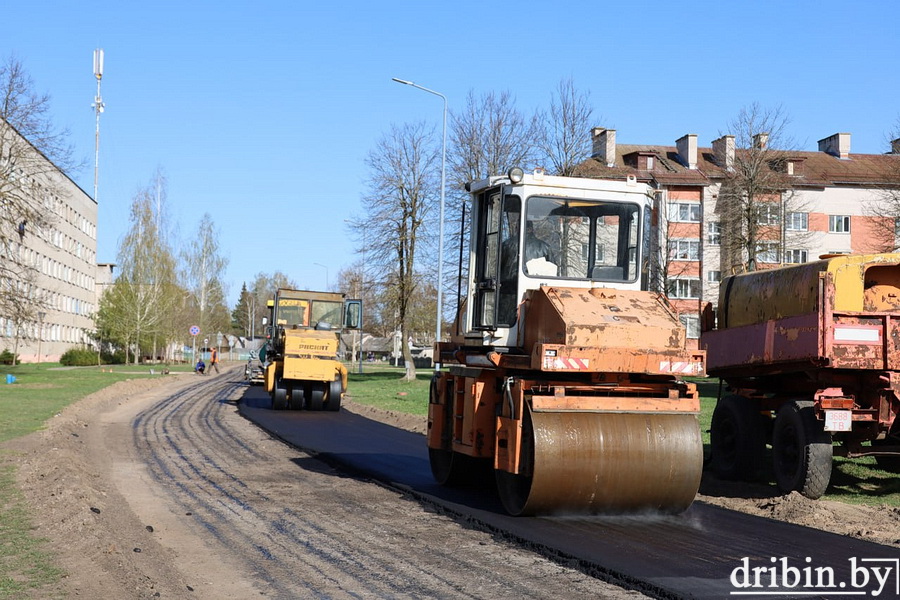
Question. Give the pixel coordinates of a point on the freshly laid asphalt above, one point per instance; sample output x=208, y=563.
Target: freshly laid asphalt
x=696, y=554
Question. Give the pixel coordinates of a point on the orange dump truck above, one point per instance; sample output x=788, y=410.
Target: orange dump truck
x=810, y=354
x=564, y=374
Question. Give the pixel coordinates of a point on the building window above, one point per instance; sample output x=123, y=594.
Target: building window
x=684, y=212
x=838, y=223
x=797, y=221
x=684, y=288
x=795, y=256
x=713, y=233
x=769, y=214
x=684, y=249
x=767, y=252
x=692, y=325
x=714, y=276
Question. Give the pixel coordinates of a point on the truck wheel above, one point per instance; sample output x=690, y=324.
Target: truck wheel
x=891, y=464
x=801, y=450
x=737, y=438
x=279, y=396
x=335, y=391
x=297, y=399
x=316, y=399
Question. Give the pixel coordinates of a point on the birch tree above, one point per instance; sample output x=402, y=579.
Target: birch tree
x=204, y=267
x=144, y=296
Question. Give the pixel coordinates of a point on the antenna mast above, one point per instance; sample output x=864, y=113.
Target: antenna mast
x=98, y=108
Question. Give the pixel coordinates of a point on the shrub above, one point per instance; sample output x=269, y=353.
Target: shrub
x=8, y=358
x=113, y=358
x=78, y=357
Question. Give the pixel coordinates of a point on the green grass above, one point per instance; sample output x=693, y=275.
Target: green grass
x=42, y=390
x=384, y=387
x=25, y=561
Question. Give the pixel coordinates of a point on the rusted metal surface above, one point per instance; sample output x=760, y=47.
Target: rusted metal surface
x=611, y=463
x=604, y=330
x=825, y=331
x=862, y=282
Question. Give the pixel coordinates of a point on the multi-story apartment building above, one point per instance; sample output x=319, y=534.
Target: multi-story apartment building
x=62, y=250
x=825, y=202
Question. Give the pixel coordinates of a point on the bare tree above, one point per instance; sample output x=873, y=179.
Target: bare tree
x=756, y=194
x=28, y=112
x=402, y=193
x=884, y=207
x=487, y=137
x=560, y=132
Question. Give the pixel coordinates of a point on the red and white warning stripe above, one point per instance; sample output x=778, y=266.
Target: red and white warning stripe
x=560, y=363
x=680, y=366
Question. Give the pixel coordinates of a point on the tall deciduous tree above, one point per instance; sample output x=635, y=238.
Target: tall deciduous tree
x=204, y=267
x=402, y=192
x=756, y=194
x=138, y=309
x=561, y=135
x=488, y=136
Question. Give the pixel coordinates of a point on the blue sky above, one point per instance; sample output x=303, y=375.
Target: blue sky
x=262, y=113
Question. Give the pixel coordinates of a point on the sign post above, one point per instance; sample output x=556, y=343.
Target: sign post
x=195, y=331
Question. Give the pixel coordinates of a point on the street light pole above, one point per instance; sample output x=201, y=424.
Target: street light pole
x=326, y=273
x=440, y=284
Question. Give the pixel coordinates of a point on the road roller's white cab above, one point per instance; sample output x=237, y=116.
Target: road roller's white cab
x=563, y=371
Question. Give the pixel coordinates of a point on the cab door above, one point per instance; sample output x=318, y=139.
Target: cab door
x=486, y=245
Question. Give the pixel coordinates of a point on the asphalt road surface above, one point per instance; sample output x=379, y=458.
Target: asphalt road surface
x=706, y=552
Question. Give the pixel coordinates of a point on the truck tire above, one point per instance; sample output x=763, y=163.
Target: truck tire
x=316, y=399
x=891, y=464
x=335, y=391
x=279, y=396
x=801, y=450
x=296, y=399
x=737, y=438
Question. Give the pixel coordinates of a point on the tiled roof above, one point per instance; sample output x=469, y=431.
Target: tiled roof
x=811, y=169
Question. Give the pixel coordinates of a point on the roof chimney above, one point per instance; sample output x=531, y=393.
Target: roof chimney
x=723, y=150
x=687, y=150
x=760, y=141
x=895, y=146
x=604, y=145
x=836, y=145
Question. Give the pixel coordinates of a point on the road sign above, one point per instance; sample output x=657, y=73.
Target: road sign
x=195, y=330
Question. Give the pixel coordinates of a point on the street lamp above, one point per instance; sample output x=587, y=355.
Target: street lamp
x=437, y=333
x=326, y=273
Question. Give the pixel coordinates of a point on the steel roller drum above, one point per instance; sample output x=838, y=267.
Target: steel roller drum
x=606, y=463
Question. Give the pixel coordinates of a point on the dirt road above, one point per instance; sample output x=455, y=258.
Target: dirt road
x=159, y=488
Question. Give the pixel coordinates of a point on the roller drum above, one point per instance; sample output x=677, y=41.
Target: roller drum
x=605, y=463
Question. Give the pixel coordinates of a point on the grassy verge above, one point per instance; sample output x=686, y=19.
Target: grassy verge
x=39, y=392
x=382, y=386
x=856, y=481
x=25, y=562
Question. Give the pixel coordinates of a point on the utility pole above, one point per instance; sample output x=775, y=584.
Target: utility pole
x=98, y=108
